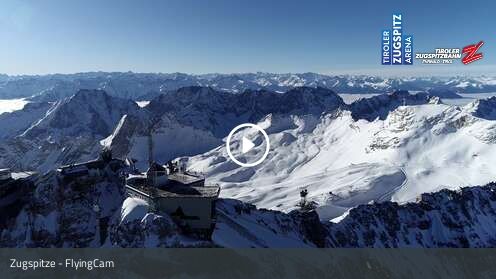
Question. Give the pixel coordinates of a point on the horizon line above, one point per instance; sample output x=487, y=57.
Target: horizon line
x=329, y=73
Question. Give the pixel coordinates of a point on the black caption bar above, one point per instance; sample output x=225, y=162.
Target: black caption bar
x=247, y=263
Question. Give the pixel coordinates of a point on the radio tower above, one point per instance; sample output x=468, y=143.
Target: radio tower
x=150, y=147
x=151, y=174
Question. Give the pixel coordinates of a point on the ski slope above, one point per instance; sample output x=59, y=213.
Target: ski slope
x=344, y=163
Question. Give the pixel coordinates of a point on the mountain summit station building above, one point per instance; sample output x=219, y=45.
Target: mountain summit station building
x=181, y=194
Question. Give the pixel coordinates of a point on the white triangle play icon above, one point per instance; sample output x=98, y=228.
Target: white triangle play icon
x=247, y=145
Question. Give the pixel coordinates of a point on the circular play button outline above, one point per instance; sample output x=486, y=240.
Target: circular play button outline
x=249, y=125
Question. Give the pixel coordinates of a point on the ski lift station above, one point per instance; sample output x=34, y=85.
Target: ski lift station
x=181, y=194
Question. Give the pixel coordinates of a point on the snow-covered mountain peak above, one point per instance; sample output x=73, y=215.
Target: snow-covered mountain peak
x=68, y=131
x=88, y=112
x=205, y=116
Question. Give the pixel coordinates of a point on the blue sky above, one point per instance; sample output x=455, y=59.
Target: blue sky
x=60, y=36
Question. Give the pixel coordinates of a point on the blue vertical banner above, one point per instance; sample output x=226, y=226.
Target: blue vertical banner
x=407, y=50
x=396, y=46
x=397, y=32
x=386, y=47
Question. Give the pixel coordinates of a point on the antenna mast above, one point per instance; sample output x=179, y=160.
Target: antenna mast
x=150, y=147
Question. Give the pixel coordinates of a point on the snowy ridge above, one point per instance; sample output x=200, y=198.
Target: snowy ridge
x=16, y=122
x=243, y=225
x=64, y=132
x=142, y=86
x=87, y=112
x=380, y=106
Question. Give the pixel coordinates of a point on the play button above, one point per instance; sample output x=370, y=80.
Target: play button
x=247, y=145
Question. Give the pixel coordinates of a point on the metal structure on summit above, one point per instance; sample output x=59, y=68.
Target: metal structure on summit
x=303, y=196
x=305, y=204
x=150, y=146
x=172, y=189
x=150, y=156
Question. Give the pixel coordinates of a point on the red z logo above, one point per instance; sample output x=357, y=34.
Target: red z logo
x=471, y=53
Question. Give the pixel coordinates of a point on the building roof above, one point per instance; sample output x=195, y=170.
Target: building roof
x=185, y=178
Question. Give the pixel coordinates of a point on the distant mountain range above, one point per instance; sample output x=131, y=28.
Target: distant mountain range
x=144, y=86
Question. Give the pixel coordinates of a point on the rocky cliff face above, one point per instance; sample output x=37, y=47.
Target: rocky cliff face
x=66, y=213
x=485, y=108
x=53, y=210
x=380, y=106
x=463, y=218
